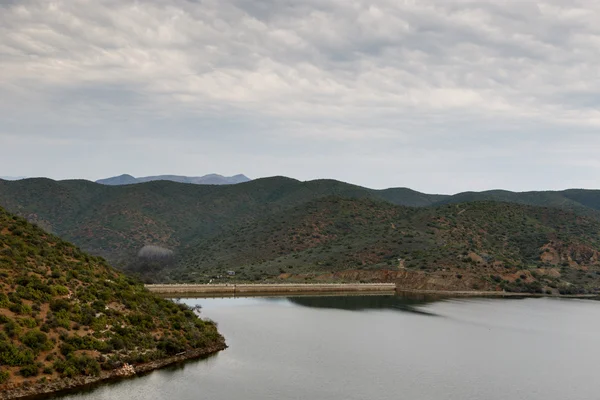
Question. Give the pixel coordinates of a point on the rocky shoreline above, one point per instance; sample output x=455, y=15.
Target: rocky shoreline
x=497, y=293
x=38, y=389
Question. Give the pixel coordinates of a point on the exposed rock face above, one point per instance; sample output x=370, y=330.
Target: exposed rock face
x=443, y=280
x=125, y=370
x=578, y=256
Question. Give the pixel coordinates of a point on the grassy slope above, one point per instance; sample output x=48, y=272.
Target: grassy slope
x=64, y=313
x=336, y=234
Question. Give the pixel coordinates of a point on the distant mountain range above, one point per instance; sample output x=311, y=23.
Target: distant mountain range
x=12, y=178
x=211, y=179
x=282, y=228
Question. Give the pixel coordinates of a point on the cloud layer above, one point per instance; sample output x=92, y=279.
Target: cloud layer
x=438, y=95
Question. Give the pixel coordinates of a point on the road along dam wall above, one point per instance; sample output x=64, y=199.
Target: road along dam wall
x=274, y=288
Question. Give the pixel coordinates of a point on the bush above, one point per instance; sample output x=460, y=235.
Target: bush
x=36, y=340
x=60, y=304
x=28, y=322
x=4, y=300
x=66, y=349
x=15, y=356
x=170, y=346
x=4, y=375
x=59, y=290
x=77, y=365
x=29, y=370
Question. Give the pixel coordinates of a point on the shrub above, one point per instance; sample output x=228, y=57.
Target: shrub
x=4, y=375
x=29, y=370
x=28, y=322
x=12, y=329
x=60, y=304
x=59, y=290
x=66, y=349
x=4, y=300
x=77, y=365
x=15, y=356
x=36, y=340
x=170, y=346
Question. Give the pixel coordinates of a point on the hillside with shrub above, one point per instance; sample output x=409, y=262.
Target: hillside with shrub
x=115, y=222
x=508, y=246
x=64, y=313
x=581, y=201
x=281, y=228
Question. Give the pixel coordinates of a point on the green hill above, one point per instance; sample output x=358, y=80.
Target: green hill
x=65, y=314
x=578, y=200
x=117, y=221
x=262, y=229
x=331, y=237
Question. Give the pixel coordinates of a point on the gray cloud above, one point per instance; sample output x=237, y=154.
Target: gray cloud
x=437, y=95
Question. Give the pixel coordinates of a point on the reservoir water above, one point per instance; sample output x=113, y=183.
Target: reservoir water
x=385, y=347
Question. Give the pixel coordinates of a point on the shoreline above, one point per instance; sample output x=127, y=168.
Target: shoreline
x=479, y=293
x=284, y=289
x=38, y=390
x=271, y=288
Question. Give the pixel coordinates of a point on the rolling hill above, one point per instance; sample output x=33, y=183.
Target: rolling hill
x=503, y=245
x=65, y=314
x=117, y=221
x=578, y=200
x=212, y=229
x=12, y=178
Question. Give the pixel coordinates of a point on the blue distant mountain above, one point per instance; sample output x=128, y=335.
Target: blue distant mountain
x=211, y=179
x=12, y=178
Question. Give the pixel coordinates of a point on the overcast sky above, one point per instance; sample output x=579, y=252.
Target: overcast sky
x=439, y=96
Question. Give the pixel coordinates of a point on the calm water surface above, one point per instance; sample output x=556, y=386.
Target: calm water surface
x=385, y=347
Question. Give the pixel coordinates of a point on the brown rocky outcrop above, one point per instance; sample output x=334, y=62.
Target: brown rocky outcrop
x=441, y=281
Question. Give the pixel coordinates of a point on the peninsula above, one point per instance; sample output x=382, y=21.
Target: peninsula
x=68, y=319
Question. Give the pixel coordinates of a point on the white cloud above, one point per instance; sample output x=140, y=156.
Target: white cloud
x=395, y=73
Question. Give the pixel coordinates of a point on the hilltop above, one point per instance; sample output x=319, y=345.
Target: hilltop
x=12, y=178
x=68, y=318
x=210, y=179
x=579, y=200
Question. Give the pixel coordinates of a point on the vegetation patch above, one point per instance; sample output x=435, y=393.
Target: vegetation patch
x=64, y=313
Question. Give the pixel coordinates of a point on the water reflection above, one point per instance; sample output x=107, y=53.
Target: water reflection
x=409, y=304
x=380, y=348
